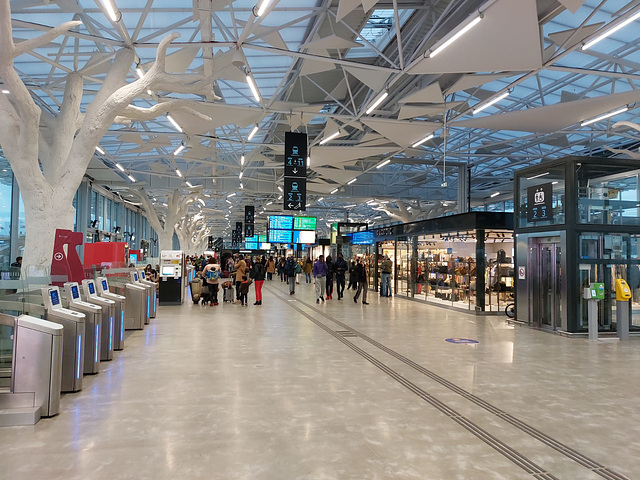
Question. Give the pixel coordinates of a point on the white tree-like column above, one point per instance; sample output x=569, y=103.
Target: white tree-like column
x=411, y=213
x=165, y=223
x=49, y=154
x=192, y=233
x=626, y=151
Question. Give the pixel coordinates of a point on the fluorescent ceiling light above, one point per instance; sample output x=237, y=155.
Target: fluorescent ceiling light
x=375, y=104
x=269, y=203
x=280, y=197
x=320, y=199
x=384, y=201
x=307, y=205
x=178, y=172
x=280, y=188
x=150, y=93
x=6, y=92
x=227, y=201
x=456, y=36
x=495, y=194
x=351, y=181
x=174, y=123
x=202, y=202
x=386, y=162
x=112, y=10
x=99, y=150
x=253, y=88
x=131, y=178
x=330, y=137
x=242, y=160
x=231, y=195
x=491, y=102
x=334, y=191
x=120, y=167
x=241, y=186
x=308, y=162
x=263, y=7
x=604, y=116
x=538, y=176
x=611, y=31
x=350, y=206
x=179, y=150
x=189, y=184
x=253, y=132
x=139, y=71
x=420, y=142
x=240, y=176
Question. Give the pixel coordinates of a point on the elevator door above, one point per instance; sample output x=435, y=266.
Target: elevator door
x=545, y=295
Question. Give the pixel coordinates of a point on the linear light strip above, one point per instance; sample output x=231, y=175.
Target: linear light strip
x=386, y=162
x=253, y=88
x=604, y=116
x=330, y=137
x=460, y=33
x=253, y=132
x=491, y=102
x=375, y=104
x=420, y=142
x=611, y=31
x=174, y=123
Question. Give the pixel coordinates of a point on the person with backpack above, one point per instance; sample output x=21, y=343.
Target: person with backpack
x=258, y=273
x=361, y=278
x=212, y=273
x=330, y=272
x=290, y=272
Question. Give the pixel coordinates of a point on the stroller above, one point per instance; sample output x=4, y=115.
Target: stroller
x=196, y=289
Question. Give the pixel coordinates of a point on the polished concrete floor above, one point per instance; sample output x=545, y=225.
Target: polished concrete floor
x=295, y=390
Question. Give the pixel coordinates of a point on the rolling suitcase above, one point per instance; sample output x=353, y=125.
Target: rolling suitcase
x=228, y=294
x=196, y=289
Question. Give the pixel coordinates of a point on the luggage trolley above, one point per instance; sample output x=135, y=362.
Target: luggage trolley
x=93, y=326
x=108, y=312
x=121, y=301
x=73, y=338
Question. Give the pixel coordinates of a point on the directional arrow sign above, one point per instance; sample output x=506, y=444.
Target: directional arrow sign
x=295, y=155
x=295, y=193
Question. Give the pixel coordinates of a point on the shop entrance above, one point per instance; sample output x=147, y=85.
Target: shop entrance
x=545, y=304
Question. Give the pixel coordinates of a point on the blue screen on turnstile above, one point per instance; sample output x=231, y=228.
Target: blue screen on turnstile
x=142, y=275
x=92, y=288
x=104, y=286
x=135, y=277
x=55, y=298
x=74, y=291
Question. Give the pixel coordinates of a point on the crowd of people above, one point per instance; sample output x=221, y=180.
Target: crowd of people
x=236, y=273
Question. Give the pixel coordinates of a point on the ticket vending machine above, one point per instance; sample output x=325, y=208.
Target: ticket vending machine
x=121, y=302
x=37, y=362
x=172, y=283
x=108, y=322
x=135, y=279
x=92, y=324
x=154, y=290
x=73, y=338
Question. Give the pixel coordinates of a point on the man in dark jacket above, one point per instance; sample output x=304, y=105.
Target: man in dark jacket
x=290, y=272
x=361, y=277
x=340, y=267
x=330, y=272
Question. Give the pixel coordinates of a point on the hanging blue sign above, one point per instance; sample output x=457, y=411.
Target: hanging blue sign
x=462, y=341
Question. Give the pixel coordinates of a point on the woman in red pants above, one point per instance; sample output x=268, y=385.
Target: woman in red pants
x=258, y=272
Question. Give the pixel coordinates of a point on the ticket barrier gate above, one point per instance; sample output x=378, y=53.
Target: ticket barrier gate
x=93, y=326
x=108, y=313
x=135, y=312
x=73, y=338
x=154, y=291
x=36, y=370
x=135, y=279
x=103, y=291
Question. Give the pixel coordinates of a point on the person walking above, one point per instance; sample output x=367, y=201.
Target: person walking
x=352, y=276
x=385, y=285
x=241, y=270
x=258, y=279
x=319, y=272
x=340, y=267
x=330, y=273
x=213, y=280
x=308, y=267
x=271, y=268
x=290, y=272
x=281, y=264
x=361, y=277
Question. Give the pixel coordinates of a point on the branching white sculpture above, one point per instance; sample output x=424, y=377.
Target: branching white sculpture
x=49, y=161
x=624, y=151
x=411, y=213
x=192, y=233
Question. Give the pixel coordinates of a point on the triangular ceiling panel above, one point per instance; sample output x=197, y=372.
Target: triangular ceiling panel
x=572, y=5
x=471, y=81
x=576, y=34
x=331, y=42
x=413, y=111
x=404, y=134
x=373, y=79
x=430, y=94
x=345, y=7
x=551, y=118
x=309, y=67
x=220, y=115
x=337, y=155
x=507, y=38
x=320, y=187
x=178, y=62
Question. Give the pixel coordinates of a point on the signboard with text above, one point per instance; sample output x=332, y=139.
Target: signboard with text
x=295, y=171
x=540, y=203
x=295, y=193
x=249, y=214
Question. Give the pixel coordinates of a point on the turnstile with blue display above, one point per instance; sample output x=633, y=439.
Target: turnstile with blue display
x=154, y=292
x=93, y=326
x=73, y=338
x=135, y=279
x=121, y=301
x=108, y=314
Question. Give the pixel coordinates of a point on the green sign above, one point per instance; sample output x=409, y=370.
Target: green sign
x=262, y=238
x=304, y=223
x=597, y=291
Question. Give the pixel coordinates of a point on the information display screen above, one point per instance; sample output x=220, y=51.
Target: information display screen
x=55, y=298
x=92, y=288
x=280, y=236
x=305, y=223
x=167, y=270
x=104, y=286
x=280, y=222
x=362, y=238
x=74, y=291
x=262, y=238
x=142, y=274
x=265, y=245
x=135, y=277
x=304, y=236
x=250, y=245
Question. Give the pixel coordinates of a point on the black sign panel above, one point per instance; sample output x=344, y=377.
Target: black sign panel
x=295, y=155
x=249, y=214
x=239, y=227
x=540, y=203
x=234, y=239
x=295, y=193
x=248, y=230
